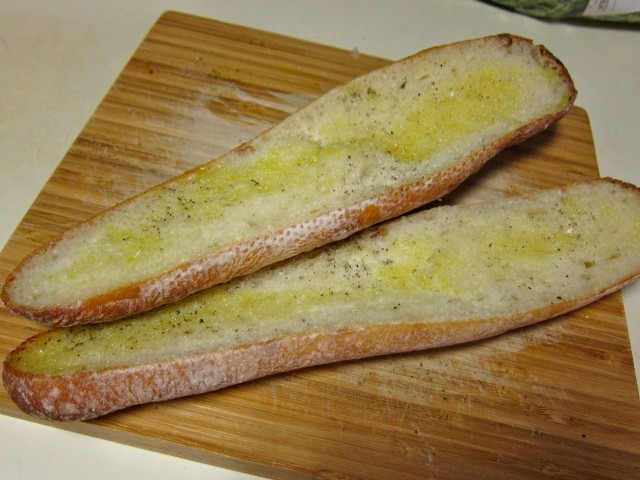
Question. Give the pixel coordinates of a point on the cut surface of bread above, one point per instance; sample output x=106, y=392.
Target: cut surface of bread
x=434, y=278
x=377, y=147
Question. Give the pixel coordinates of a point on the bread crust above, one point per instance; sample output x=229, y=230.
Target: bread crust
x=90, y=394
x=261, y=251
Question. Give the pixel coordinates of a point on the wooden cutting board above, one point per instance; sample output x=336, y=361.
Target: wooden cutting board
x=557, y=400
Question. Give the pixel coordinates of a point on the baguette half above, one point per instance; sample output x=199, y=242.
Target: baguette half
x=434, y=278
x=370, y=150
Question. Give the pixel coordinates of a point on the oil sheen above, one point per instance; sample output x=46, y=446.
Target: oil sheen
x=368, y=141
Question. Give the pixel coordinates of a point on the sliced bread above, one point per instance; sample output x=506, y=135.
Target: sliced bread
x=434, y=278
x=377, y=147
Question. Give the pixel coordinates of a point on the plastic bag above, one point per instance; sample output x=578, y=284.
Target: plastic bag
x=600, y=10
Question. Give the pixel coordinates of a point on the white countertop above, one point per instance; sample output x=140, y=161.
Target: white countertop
x=58, y=59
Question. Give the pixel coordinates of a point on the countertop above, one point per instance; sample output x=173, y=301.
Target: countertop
x=58, y=59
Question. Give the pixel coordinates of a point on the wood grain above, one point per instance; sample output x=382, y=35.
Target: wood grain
x=557, y=400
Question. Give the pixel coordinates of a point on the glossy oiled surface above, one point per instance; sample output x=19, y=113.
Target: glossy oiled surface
x=555, y=400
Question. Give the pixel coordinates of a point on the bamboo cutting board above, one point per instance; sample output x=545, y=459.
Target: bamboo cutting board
x=557, y=400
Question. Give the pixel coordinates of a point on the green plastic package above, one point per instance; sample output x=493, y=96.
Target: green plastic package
x=601, y=10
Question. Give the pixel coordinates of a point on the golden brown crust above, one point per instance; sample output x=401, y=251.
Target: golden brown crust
x=94, y=393
x=259, y=252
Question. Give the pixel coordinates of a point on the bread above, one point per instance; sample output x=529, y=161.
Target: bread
x=370, y=150
x=434, y=278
